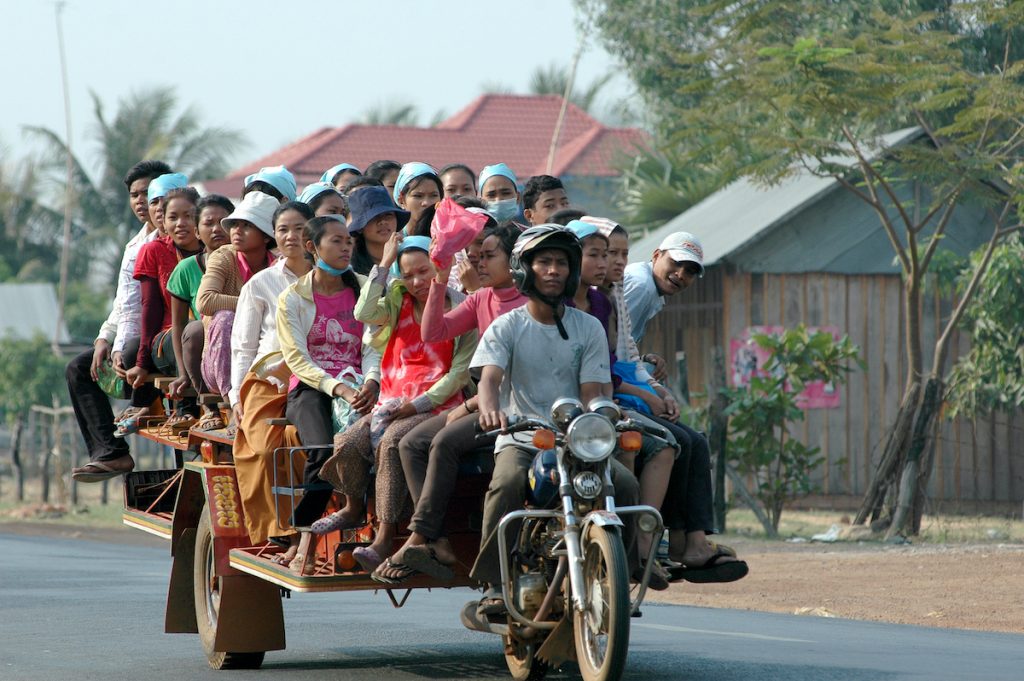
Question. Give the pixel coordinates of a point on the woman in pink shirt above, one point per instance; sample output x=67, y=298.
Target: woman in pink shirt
x=430, y=452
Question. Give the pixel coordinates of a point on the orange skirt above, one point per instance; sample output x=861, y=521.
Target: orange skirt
x=255, y=461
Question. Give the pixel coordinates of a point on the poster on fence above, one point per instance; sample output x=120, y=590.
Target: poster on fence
x=747, y=359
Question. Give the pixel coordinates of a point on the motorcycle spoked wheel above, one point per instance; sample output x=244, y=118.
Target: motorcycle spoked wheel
x=601, y=628
x=522, y=665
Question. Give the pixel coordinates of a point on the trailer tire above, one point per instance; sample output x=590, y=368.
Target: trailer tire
x=206, y=588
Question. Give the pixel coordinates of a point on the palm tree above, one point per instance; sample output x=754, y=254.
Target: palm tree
x=30, y=232
x=391, y=112
x=552, y=79
x=147, y=124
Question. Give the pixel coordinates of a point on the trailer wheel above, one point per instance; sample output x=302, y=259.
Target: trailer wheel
x=206, y=588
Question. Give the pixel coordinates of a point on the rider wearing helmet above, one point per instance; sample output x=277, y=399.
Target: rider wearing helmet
x=529, y=358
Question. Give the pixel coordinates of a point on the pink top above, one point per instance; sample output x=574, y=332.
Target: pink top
x=243, y=265
x=335, y=339
x=477, y=311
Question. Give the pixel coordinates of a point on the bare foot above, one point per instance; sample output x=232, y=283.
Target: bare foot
x=286, y=557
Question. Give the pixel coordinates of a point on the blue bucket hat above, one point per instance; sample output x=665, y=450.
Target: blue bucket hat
x=278, y=177
x=333, y=171
x=421, y=243
x=497, y=169
x=316, y=189
x=159, y=186
x=408, y=173
x=368, y=203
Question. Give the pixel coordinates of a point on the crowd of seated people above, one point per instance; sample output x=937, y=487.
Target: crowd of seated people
x=331, y=310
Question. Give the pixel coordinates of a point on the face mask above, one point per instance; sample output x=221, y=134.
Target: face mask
x=333, y=271
x=504, y=210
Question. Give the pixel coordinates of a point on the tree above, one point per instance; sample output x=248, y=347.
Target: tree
x=30, y=232
x=147, y=124
x=991, y=375
x=785, y=85
x=29, y=374
x=761, y=414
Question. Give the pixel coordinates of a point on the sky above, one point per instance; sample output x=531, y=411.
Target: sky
x=277, y=70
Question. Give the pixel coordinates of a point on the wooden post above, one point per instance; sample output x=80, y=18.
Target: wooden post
x=19, y=471
x=717, y=437
x=52, y=449
x=682, y=377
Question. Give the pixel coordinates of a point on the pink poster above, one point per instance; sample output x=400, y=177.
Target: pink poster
x=747, y=358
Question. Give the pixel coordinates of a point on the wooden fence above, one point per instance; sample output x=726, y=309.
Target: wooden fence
x=979, y=463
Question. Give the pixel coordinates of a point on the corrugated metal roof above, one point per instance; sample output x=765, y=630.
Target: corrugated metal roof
x=743, y=211
x=29, y=309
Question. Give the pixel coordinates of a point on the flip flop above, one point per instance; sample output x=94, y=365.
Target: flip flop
x=335, y=521
x=98, y=471
x=424, y=559
x=492, y=603
x=367, y=557
x=712, y=571
x=403, y=570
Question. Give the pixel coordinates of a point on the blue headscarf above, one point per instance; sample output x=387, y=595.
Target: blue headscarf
x=408, y=173
x=418, y=242
x=159, y=186
x=278, y=177
x=330, y=173
x=497, y=169
x=316, y=189
x=582, y=229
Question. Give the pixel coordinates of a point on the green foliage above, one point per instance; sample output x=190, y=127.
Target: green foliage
x=762, y=413
x=29, y=374
x=85, y=311
x=148, y=124
x=991, y=375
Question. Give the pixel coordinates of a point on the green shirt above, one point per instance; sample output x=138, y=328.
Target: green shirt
x=184, y=282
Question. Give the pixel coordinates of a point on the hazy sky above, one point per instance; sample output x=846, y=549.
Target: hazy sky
x=278, y=70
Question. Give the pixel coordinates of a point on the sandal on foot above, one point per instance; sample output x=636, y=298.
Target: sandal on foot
x=98, y=471
x=659, y=579
x=424, y=559
x=335, y=521
x=303, y=566
x=175, y=426
x=390, y=572
x=713, y=570
x=211, y=421
x=492, y=603
x=367, y=557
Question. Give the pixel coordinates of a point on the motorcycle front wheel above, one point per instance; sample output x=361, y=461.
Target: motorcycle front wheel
x=601, y=628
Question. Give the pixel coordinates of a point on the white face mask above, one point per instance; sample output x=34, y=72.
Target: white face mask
x=503, y=211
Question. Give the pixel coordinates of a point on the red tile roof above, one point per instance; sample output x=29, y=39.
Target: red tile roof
x=516, y=129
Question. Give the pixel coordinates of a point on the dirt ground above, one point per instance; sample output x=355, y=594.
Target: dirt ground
x=978, y=586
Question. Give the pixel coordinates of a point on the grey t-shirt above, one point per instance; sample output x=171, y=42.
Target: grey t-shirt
x=540, y=366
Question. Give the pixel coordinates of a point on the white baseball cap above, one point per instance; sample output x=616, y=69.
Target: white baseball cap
x=683, y=247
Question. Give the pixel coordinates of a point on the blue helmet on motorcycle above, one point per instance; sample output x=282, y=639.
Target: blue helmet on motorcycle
x=542, y=479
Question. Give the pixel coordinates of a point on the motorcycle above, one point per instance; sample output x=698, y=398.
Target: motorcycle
x=564, y=575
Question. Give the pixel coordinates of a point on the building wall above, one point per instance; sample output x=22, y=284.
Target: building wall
x=976, y=460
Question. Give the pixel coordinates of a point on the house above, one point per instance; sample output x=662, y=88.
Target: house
x=30, y=310
x=515, y=129
x=808, y=251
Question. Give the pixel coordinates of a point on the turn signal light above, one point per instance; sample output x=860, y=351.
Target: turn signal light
x=630, y=441
x=544, y=439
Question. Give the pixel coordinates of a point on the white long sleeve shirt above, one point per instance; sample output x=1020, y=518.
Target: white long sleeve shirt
x=128, y=301
x=254, y=333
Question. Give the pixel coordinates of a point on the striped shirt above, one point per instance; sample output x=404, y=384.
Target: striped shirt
x=254, y=333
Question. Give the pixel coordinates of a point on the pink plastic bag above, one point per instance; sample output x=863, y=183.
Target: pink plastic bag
x=452, y=229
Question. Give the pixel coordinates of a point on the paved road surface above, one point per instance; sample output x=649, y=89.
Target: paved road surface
x=74, y=610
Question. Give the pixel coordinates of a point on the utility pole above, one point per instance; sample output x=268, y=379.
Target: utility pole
x=69, y=189
x=565, y=105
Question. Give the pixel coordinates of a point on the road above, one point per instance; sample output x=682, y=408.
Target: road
x=76, y=610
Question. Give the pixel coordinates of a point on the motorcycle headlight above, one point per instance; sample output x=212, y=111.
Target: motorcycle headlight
x=564, y=411
x=591, y=437
x=605, y=407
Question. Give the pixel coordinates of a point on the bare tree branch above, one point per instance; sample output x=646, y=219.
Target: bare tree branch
x=937, y=234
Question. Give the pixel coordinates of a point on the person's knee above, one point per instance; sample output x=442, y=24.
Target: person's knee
x=78, y=366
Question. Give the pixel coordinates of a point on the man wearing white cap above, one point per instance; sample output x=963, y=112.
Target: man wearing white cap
x=673, y=267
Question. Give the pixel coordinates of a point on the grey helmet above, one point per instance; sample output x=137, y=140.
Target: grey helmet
x=544, y=237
